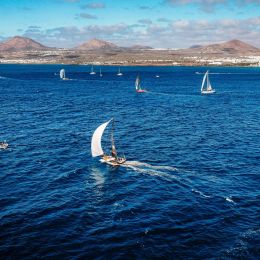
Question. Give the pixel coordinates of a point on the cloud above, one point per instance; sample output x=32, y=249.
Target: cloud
x=87, y=16
x=204, y=5
x=145, y=21
x=2, y=38
x=145, y=7
x=173, y=34
x=71, y=1
x=93, y=5
x=163, y=20
x=33, y=29
x=210, y=5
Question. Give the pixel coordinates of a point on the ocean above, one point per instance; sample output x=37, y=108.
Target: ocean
x=189, y=189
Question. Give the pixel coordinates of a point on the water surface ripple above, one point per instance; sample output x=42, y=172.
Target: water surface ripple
x=190, y=188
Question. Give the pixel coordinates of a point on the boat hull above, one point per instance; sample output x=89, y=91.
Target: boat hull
x=3, y=146
x=205, y=92
x=141, y=91
x=113, y=161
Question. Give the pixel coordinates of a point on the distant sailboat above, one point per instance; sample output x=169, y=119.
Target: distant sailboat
x=63, y=75
x=208, y=88
x=157, y=76
x=100, y=73
x=3, y=145
x=96, y=148
x=138, y=85
x=119, y=73
x=92, y=72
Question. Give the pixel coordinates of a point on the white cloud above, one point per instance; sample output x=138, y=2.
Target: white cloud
x=87, y=16
x=94, y=5
x=174, y=34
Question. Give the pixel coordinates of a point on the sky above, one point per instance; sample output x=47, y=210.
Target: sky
x=155, y=23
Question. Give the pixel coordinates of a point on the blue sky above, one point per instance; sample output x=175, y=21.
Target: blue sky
x=157, y=23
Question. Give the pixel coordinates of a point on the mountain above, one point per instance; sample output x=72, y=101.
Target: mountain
x=231, y=47
x=96, y=44
x=195, y=46
x=140, y=47
x=19, y=43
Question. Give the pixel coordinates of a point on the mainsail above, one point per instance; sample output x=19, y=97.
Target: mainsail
x=96, y=148
x=209, y=88
x=119, y=72
x=137, y=83
x=92, y=71
x=62, y=73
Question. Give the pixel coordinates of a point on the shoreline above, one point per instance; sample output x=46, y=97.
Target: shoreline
x=136, y=65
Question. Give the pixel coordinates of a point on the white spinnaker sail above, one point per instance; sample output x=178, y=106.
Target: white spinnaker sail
x=137, y=83
x=96, y=148
x=62, y=73
x=203, y=81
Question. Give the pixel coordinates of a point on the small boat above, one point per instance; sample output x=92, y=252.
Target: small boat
x=138, y=85
x=157, y=76
x=208, y=89
x=63, y=75
x=96, y=148
x=3, y=145
x=92, y=72
x=119, y=73
x=100, y=73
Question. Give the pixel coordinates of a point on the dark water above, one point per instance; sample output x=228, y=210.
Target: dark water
x=190, y=189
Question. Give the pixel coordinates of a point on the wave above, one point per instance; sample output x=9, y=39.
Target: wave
x=151, y=169
x=142, y=164
x=160, y=171
x=201, y=193
x=229, y=199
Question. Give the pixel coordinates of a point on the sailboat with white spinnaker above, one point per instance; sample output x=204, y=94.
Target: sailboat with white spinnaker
x=96, y=146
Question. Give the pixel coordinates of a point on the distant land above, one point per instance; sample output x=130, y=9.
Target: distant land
x=26, y=51
x=19, y=43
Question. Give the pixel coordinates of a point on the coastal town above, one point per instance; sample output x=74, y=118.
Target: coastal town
x=20, y=50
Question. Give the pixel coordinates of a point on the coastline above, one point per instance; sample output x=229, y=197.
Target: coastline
x=151, y=58
x=136, y=65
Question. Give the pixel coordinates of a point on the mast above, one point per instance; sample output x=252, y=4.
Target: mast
x=208, y=80
x=113, y=148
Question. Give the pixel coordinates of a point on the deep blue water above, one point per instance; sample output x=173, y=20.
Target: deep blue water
x=190, y=189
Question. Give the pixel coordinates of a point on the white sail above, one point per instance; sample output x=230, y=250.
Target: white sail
x=203, y=81
x=119, y=72
x=137, y=83
x=209, y=88
x=92, y=71
x=62, y=73
x=96, y=148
